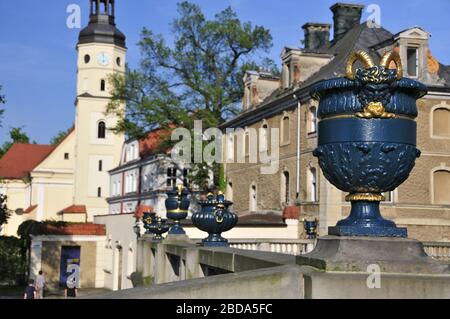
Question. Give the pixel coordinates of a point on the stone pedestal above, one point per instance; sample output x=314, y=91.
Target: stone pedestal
x=356, y=254
x=175, y=238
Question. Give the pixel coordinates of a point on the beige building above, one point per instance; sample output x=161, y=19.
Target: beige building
x=70, y=181
x=422, y=203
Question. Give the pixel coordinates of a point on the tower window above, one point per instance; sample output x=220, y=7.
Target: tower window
x=102, y=85
x=101, y=130
x=87, y=58
x=100, y=166
x=99, y=192
x=66, y=156
x=119, y=62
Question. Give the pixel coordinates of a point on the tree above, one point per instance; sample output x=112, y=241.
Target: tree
x=59, y=137
x=4, y=212
x=17, y=136
x=2, y=101
x=199, y=77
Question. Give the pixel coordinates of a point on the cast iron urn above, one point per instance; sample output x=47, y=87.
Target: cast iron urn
x=177, y=206
x=215, y=218
x=367, y=139
x=149, y=220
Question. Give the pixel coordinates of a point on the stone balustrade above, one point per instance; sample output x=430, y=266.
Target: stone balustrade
x=437, y=250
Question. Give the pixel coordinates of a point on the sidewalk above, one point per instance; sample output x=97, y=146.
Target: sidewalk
x=17, y=293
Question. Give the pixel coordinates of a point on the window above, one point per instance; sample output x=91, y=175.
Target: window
x=312, y=181
x=102, y=85
x=412, y=61
x=230, y=147
x=99, y=192
x=441, y=187
x=87, y=58
x=119, y=62
x=441, y=122
x=66, y=156
x=101, y=130
x=247, y=143
x=100, y=166
x=171, y=177
x=285, y=130
x=186, y=180
x=312, y=120
x=285, y=188
x=253, y=199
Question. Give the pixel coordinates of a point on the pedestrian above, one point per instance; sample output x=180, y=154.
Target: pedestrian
x=40, y=285
x=30, y=291
x=71, y=289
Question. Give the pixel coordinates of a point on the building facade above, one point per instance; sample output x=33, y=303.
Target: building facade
x=422, y=203
x=70, y=181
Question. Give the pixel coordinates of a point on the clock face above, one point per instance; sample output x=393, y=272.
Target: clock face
x=103, y=58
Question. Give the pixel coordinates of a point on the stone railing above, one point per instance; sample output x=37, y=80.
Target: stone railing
x=284, y=246
x=437, y=250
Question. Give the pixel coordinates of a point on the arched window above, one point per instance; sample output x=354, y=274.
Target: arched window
x=441, y=187
x=99, y=192
x=102, y=85
x=100, y=166
x=312, y=183
x=441, y=122
x=285, y=130
x=264, y=138
x=312, y=120
x=285, y=187
x=253, y=198
x=101, y=130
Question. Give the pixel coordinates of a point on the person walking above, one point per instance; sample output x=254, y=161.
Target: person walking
x=30, y=291
x=40, y=285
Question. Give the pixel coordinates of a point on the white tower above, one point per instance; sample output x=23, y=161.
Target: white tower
x=101, y=52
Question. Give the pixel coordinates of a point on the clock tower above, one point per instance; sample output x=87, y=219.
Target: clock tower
x=101, y=52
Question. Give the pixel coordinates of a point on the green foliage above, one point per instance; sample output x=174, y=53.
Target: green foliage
x=16, y=136
x=197, y=77
x=222, y=179
x=33, y=227
x=2, y=101
x=4, y=212
x=11, y=259
x=61, y=135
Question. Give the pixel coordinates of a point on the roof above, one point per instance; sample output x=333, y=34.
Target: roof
x=141, y=209
x=30, y=209
x=86, y=229
x=21, y=159
x=75, y=209
x=153, y=143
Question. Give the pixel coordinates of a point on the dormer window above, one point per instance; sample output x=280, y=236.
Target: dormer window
x=412, y=65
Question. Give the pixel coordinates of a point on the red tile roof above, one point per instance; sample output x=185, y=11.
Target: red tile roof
x=21, y=159
x=291, y=212
x=76, y=229
x=153, y=143
x=141, y=209
x=30, y=209
x=75, y=209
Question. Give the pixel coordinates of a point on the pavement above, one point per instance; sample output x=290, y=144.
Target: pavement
x=17, y=293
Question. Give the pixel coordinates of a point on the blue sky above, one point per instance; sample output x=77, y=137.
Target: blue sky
x=38, y=56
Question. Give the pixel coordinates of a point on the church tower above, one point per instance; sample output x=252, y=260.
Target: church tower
x=101, y=52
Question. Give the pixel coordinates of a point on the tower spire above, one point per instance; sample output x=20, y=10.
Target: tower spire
x=102, y=27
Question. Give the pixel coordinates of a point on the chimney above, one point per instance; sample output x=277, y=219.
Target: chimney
x=316, y=35
x=346, y=16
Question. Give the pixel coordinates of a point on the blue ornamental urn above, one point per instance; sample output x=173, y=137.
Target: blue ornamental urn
x=177, y=206
x=160, y=228
x=149, y=220
x=215, y=218
x=367, y=139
